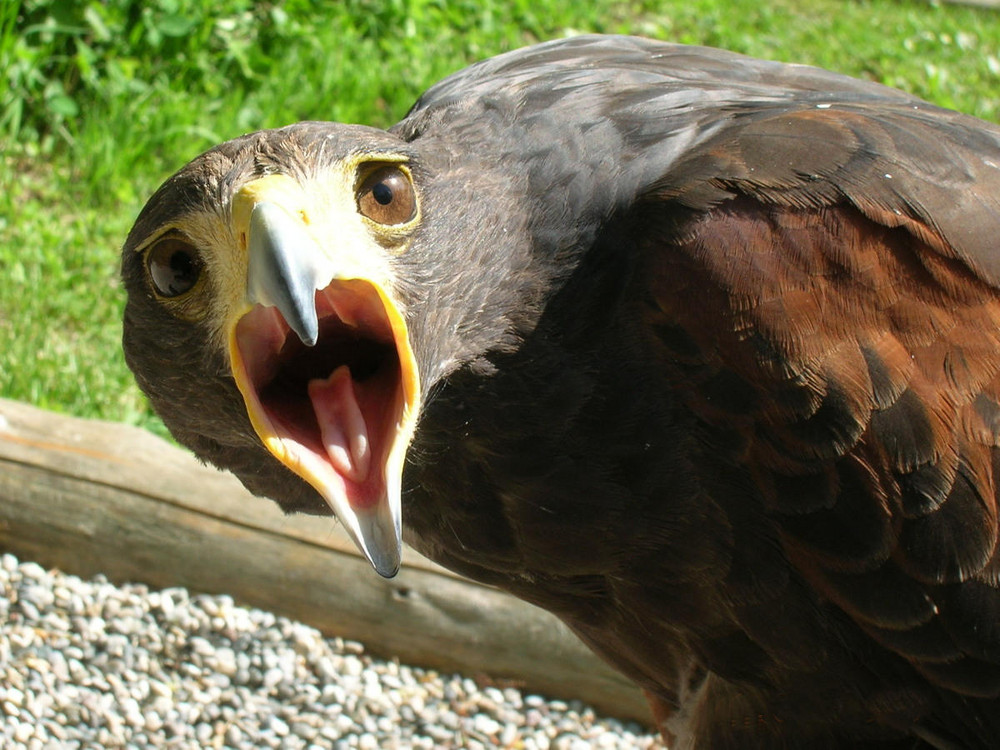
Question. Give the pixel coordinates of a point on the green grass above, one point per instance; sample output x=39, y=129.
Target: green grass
x=100, y=101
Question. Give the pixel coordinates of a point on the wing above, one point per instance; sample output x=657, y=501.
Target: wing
x=823, y=293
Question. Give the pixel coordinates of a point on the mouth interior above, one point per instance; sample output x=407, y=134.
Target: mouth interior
x=285, y=397
x=302, y=403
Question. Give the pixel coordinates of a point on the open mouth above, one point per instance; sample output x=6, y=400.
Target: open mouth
x=330, y=412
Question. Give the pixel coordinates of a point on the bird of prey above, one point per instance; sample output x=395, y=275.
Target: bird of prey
x=699, y=352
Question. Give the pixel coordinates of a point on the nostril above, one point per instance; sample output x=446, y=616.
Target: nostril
x=402, y=593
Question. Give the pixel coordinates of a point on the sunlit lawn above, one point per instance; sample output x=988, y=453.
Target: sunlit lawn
x=100, y=101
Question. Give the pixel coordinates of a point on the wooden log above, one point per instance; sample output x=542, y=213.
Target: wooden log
x=92, y=497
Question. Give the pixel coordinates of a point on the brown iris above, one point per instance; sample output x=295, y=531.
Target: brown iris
x=386, y=196
x=174, y=266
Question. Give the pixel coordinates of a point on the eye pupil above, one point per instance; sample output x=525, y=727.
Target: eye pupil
x=382, y=193
x=182, y=265
x=174, y=267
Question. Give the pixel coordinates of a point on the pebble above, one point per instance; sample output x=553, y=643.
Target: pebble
x=89, y=665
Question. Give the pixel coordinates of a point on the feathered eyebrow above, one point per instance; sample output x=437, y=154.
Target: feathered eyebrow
x=171, y=229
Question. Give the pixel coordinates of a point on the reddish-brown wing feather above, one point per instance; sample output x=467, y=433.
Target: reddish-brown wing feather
x=828, y=314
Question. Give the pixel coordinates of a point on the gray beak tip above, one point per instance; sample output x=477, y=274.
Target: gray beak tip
x=388, y=571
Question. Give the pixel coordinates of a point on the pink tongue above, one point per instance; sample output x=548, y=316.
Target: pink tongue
x=341, y=423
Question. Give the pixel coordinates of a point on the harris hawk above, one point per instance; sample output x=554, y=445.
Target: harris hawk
x=699, y=352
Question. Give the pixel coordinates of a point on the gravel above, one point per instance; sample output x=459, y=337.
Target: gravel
x=86, y=664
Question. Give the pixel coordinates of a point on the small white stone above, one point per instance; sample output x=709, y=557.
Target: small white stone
x=234, y=735
x=23, y=732
x=272, y=677
x=485, y=724
x=353, y=667
x=152, y=721
x=225, y=661
x=278, y=726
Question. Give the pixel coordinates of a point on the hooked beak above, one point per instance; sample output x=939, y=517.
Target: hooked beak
x=320, y=352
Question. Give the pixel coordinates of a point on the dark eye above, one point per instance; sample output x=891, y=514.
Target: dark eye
x=174, y=266
x=387, y=197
